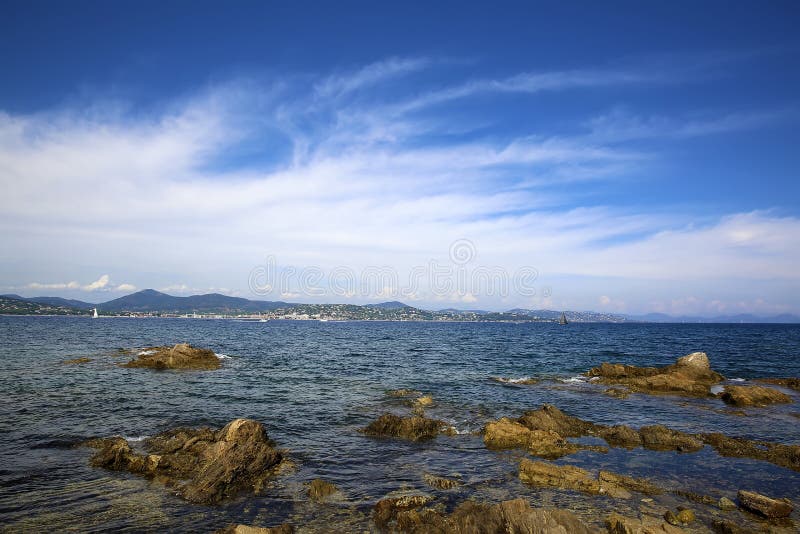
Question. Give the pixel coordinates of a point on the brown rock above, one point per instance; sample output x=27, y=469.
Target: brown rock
x=621, y=436
x=479, y=518
x=181, y=356
x=690, y=375
x=725, y=503
x=619, y=524
x=415, y=428
x=319, y=490
x=508, y=434
x=618, y=392
x=791, y=383
x=545, y=474
x=766, y=506
x=548, y=417
x=440, y=483
x=753, y=396
x=387, y=509
x=207, y=467
x=640, y=485
x=403, y=392
x=246, y=529
x=787, y=456
x=685, y=515
x=77, y=361
x=723, y=526
x=661, y=438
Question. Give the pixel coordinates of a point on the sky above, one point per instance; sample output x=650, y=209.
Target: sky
x=628, y=158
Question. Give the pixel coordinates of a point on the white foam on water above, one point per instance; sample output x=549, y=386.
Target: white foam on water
x=222, y=356
x=146, y=352
x=715, y=390
x=574, y=380
x=135, y=438
x=736, y=380
x=512, y=380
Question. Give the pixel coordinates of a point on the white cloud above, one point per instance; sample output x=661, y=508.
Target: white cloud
x=100, y=283
x=125, y=287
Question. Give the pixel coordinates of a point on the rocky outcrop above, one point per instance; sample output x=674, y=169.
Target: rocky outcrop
x=661, y=438
x=387, y=509
x=181, y=356
x=206, y=466
x=690, y=375
x=744, y=396
x=548, y=417
x=480, y=518
x=791, y=383
x=543, y=474
x=621, y=436
x=414, y=428
x=619, y=524
x=763, y=505
x=787, y=456
x=319, y=490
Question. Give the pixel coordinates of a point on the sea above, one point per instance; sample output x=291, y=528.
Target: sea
x=314, y=385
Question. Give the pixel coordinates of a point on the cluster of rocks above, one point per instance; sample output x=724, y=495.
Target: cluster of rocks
x=205, y=466
x=180, y=356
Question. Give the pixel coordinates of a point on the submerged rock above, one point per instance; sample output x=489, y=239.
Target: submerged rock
x=440, y=483
x=725, y=503
x=723, y=526
x=640, y=485
x=787, y=456
x=414, y=428
x=766, y=506
x=621, y=436
x=753, y=396
x=319, y=490
x=206, y=466
x=689, y=375
x=77, y=361
x=181, y=356
x=791, y=383
x=569, y=477
x=661, y=438
x=472, y=517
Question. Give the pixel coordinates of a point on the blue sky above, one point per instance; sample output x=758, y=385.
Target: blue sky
x=638, y=157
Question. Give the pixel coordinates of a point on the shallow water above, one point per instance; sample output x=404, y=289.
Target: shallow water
x=315, y=384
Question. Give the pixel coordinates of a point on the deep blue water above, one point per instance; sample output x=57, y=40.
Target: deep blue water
x=315, y=384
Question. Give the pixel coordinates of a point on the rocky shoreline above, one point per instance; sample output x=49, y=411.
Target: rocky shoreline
x=212, y=466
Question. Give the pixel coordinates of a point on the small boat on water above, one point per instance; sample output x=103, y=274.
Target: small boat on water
x=95, y=316
x=563, y=319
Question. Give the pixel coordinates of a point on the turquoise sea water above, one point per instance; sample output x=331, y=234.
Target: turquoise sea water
x=314, y=384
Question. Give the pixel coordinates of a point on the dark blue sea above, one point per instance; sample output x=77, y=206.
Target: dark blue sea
x=314, y=384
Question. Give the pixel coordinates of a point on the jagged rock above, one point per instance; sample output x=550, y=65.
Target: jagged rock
x=440, y=483
x=181, y=356
x=725, y=503
x=639, y=485
x=661, y=438
x=787, y=456
x=414, y=428
x=548, y=417
x=753, y=396
x=696, y=497
x=387, y=509
x=479, y=518
x=246, y=529
x=689, y=375
x=77, y=361
x=621, y=436
x=791, y=383
x=766, y=506
x=619, y=524
x=206, y=466
x=319, y=490
x=508, y=434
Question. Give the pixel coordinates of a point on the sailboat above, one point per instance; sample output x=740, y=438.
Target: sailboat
x=563, y=318
x=95, y=316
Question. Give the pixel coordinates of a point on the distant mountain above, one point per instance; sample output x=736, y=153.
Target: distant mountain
x=572, y=316
x=392, y=305
x=453, y=311
x=22, y=306
x=150, y=300
x=58, y=301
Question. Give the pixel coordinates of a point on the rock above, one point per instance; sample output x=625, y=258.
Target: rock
x=685, y=515
x=639, y=485
x=423, y=402
x=753, y=396
x=661, y=438
x=723, y=526
x=695, y=497
x=245, y=529
x=545, y=474
x=690, y=375
x=791, y=383
x=766, y=506
x=670, y=518
x=403, y=392
x=77, y=361
x=479, y=518
x=206, y=466
x=617, y=392
x=440, y=483
x=319, y=490
x=548, y=417
x=414, y=428
x=787, y=456
x=726, y=504
x=619, y=524
x=387, y=509
x=181, y=356
x=507, y=434
x=621, y=436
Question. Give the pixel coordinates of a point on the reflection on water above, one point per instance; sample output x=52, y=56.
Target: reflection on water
x=315, y=384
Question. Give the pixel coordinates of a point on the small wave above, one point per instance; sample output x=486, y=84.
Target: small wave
x=146, y=352
x=525, y=380
x=135, y=438
x=575, y=380
x=736, y=380
x=222, y=356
